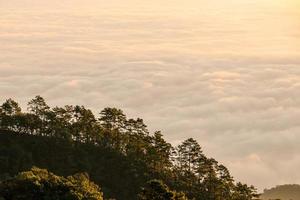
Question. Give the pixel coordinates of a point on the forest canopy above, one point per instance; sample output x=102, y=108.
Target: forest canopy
x=41, y=184
x=119, y=154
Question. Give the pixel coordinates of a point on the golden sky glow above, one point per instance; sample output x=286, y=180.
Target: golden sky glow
x=222, y=71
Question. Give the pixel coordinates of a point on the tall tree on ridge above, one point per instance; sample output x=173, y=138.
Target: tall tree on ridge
x=189, y=154
x=9, y=110
x=10, y=107
x=113, y=120
x=160, y=153
x=39, y=107
x=84, y=125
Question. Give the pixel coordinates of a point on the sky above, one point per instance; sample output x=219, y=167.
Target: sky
x=226, y=73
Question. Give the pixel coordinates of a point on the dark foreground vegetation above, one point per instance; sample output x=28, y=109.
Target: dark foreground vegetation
x=118, y=154
x=41, y=184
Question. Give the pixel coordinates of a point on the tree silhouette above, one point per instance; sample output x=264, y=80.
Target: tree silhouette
x=119, y=153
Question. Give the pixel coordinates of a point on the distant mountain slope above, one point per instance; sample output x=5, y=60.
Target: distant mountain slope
x=283, y=192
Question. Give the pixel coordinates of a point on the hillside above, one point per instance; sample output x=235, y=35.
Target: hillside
x=119, y=154
x=20, y=152
x=283, y=192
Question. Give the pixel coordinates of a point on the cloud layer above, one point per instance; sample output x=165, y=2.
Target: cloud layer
x=226, y=74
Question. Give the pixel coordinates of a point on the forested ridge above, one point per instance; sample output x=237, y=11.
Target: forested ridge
x=282, y=192
x=119, y=154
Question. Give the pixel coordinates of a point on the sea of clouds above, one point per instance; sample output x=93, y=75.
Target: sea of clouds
x=227, y=74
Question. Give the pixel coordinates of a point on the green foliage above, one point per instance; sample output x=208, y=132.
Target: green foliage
x=243, y=192
x=157, y=190
x=43, y=185
x=120, y=154
x=10, y=107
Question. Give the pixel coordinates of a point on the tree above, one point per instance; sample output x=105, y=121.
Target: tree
x=113, y=121
x=84, y=124
x=43, y=185
x=136, y=138
x=226, y=182
x=137, y=127
x=244, y=192
x=160, y=153
x=157, y=190
x=189, y=154
x=10, y=107
x=9, y=110
x=62, y=121
x=38, y=107
x=112, y=118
